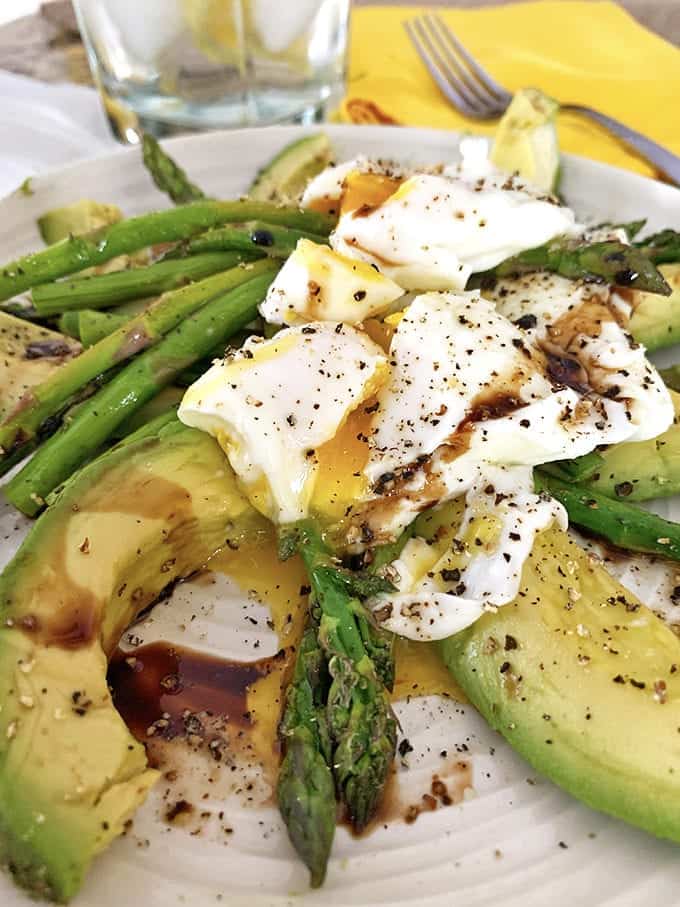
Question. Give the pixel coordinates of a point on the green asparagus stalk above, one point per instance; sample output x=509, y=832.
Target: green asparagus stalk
x=135, y=306
x=103, y=291
x=603, y=262
x=188, y=375
x=383, y=555
x=306, y=790
x=168, y=175
x=577, y=470
x=361, y=722
x=661, y=248
x=620, y=523
x=138, y=382
x=164, y=402
x=69, y=324
x=258, y=236
x=79, y=252
x=93, y=326
x=45, y=401
x=151, y=429
x=631, y=228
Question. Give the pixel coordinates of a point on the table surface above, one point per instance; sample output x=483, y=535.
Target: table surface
x=46, y=44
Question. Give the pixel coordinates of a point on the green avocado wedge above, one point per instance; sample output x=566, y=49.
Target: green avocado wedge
x=80, y=217
x=286, y=176
x=655, y=321
x=584, y=682
x=641, y=470
x=121, y=530
x=29, y=354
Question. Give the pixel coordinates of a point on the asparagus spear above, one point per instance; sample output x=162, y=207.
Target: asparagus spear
x=79, y=252
x=383, y=555
x=258, y=236
x=305, y=790
x=135, y=306
x=37, y=412
x=69, y=324
x=662, y=247
x=137, y=383
x=361, y=722
x=167, y=175
x=150, y=429
x=188, y=375
x=102, y=291
x=164, y=402
x=93, y=326
x=631, y=228
x=622, y=524
x=602, y=262
x=305, y=800
x=577, y=470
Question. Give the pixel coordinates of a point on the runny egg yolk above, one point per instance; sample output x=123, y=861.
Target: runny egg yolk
x=364, y=191
x=340, y=478
x=420, y=671
x=380, y=332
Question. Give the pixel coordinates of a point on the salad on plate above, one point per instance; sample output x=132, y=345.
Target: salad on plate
x=422, y=395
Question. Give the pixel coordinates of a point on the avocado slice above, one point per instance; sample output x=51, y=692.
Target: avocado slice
x=85, y=216
x=286, y=176
x=29, y=354
x=641, y=470
x=123, y=529
x=526, y=139
x=584, y=682
x=80, y=217
x=655, y=322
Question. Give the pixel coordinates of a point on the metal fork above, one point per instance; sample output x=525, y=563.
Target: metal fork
x=470, y=88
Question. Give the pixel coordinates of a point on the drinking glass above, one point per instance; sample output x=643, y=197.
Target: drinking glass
x=169, y=66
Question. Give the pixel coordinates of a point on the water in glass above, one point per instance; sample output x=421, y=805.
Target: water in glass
x=169, y=65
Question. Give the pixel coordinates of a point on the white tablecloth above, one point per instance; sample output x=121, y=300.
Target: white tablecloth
x=44, y=126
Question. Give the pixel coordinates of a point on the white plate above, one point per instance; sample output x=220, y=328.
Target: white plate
x=501, y=846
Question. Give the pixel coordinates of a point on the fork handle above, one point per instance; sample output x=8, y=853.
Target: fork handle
x=663, y=159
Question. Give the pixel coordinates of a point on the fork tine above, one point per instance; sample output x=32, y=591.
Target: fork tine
x=429, y=60
x=484, y=102
x=482, y=75
x=457, y=77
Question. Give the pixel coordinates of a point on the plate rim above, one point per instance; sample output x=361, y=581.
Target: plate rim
x=183, y=143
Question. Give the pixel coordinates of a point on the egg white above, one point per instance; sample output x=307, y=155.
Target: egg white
x=273, y=403
x=318, y=284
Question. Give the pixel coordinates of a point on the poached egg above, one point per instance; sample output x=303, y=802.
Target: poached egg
x=273, y=403
x=437, y=229
x=318, y=284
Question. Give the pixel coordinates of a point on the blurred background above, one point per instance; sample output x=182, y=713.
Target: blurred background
x=39, y=38
x=663, y=16
x=49, y=114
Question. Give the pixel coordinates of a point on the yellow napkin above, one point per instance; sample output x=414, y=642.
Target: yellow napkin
x=574, y=50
